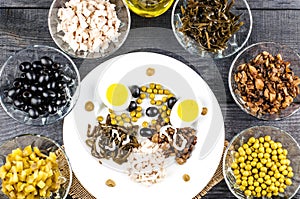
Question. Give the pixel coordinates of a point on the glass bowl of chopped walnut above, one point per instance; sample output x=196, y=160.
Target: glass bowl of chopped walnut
x=212, y=29
x=89, y=29
x=264, y=81
x=34, y=166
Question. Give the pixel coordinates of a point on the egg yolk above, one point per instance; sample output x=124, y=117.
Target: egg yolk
x=117, y=94
x=188, y=110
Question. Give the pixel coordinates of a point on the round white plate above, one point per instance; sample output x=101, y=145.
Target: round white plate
x=93, y=175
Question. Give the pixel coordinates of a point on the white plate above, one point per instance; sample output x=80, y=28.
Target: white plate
x=93, y=175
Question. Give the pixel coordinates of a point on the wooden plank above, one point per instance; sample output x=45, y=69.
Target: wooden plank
x=254, y=4
x=26, y=3
x=274, y=4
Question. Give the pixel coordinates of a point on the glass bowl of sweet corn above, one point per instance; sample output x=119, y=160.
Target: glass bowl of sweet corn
x=34, y=166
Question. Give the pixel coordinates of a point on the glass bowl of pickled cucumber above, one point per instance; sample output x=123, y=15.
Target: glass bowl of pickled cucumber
x=212, y=29
x=34, y=166
x=262, y=162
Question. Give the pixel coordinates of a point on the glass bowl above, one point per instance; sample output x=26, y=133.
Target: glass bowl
x=234, y=44
x=46, y=145
x=123, y=15
x=68, y=74
x=249, y=54
x=287, y=141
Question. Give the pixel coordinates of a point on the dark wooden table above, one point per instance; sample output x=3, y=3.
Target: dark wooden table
x=24, y=22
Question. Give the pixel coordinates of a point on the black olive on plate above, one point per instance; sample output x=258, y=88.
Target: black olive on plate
x=135, y=91
x=171, y=101
x=25, y=66
x=132, y=106
x=46, y=61
x=152, y=111
x=146, y=132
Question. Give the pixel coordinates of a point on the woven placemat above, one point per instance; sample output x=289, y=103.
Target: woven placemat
x=77, y=191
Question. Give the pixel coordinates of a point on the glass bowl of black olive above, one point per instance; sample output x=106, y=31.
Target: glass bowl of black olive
x=211, y=29
x=39, y=85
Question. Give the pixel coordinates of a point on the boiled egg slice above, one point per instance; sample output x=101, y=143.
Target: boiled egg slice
x=116, y=96
x=185, y=112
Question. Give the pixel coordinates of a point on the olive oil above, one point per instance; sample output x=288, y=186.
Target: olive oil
x=149, y=8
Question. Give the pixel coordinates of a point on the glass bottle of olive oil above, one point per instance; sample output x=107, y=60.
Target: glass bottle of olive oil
x=149, y=8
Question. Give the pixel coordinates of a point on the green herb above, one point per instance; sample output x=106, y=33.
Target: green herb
x=210, y=23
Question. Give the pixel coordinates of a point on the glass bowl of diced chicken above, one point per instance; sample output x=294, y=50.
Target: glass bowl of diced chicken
x=34, y=167
x=89, y=29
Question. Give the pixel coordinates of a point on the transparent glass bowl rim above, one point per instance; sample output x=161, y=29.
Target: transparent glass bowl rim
x=242, y=132
x=57, y=145
x=59, y=52
x=230, y=54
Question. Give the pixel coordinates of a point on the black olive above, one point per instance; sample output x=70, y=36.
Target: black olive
x=25, y=66
x=37, y=66
x=26, y=86
x=51, y=93
x=31, y=76
x=26, y=108
x=11, y=92
x=18, y=103
x=42, y=109
x=63, y=102
x=58, y=102
x=35, y=101
x=23, y=75
x=171, y=101
x=56, y=66
x=27, y=94
x=33, y=88
x=55, y=74
x=146, y=132
x=45, y=94
x=52, y=109
x=40, y=88
x=65, y=78
x=41, y=79
x=152, y=111
x=135, y=91
x=51, y=85
x=132, y=106
x=33, y=113
x=46, y=61
x=17, y=83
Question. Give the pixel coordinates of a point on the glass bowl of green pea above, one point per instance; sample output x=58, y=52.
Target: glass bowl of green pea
x=262, y=162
